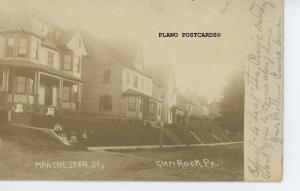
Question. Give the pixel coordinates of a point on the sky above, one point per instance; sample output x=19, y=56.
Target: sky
x=200, y=64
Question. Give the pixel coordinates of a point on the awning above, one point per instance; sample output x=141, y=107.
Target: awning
x=131, y=92
x=178, y=110
x=193, y=115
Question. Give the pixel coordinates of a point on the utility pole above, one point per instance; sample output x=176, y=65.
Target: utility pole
x=161, y=136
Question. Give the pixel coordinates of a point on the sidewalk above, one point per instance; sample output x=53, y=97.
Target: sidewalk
x=157, y=146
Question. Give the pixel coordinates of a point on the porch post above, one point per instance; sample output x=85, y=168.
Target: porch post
x=7, y=79
x=13, y=84
x=3, y=79
x=79, y=96
x=60, y=92
x=37, y=78
x=5, y=87
x=2, y=90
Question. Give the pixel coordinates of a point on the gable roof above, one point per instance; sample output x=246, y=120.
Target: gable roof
x=67, y=36
x=127, y=49
x=158, y=72
x=124, y=51
x=23, y=20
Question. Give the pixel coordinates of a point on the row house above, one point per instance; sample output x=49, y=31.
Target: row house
x=116, y=84
x=195, y=108
x=163, y=74
x=215, y=109
x=202, y=106
x=40, y=65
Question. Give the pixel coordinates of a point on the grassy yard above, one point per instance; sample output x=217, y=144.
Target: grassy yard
x=23, y=151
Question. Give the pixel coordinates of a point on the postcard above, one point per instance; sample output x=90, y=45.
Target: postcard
x=141, y=90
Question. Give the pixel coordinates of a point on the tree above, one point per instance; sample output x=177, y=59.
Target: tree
x=232, y=104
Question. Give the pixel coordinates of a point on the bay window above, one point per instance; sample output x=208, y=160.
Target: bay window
x=10, y=47
x=30, y=86
x=34, y=50
x=20, y=85
x=22, y=47
x=24, y=85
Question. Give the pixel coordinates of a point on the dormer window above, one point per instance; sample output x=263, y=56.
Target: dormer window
x=23, y=47
x=67, y=61
x=10, y=47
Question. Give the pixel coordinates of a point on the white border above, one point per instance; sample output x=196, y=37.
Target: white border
x=291, y=135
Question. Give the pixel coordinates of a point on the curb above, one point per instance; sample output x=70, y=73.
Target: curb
x=157, y=146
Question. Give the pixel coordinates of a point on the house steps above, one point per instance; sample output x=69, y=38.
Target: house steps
x=172, y=136
x=22, y=119
x=196, y=137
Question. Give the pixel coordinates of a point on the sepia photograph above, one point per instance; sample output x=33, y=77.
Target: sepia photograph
x=140, y=90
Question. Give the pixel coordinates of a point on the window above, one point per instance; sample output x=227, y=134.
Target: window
x=10, y=47
x=106, y=76
x=128, y=78
x=21, y=85
x=159, y=110
x=30, y=85
x=142, y=84
x=77, y=64
x=74, y=93
x=1, y=78
x=135, y=81
x=67, y=94
x=105, y=103
x=141, y=106
x=23, y=46
x=153, y=111
x=50, y=58
x=131, y=103
x=67, y=62
x=148, y=86
x=34, y=49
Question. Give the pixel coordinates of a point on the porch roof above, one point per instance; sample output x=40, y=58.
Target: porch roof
x=39, y=67
x=174, y=107
x=193, y=115
x=131, y=92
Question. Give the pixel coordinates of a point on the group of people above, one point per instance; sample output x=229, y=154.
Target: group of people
x=75, y=139
x=81, y=140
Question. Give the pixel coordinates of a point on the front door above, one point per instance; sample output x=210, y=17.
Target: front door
x=48, y=96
